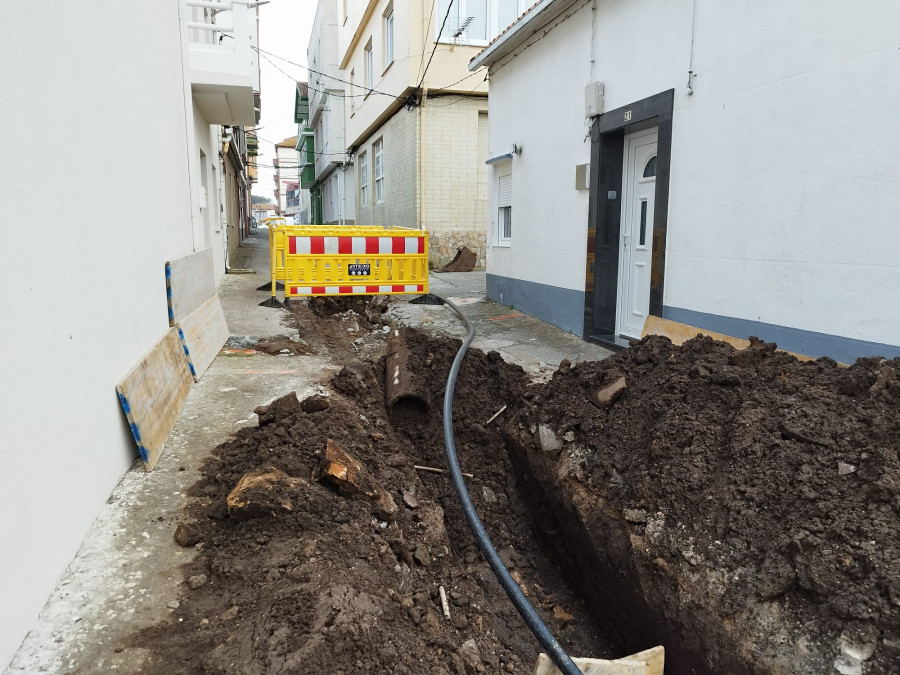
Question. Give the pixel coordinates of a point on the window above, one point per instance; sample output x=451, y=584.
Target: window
x=363, y=179
x=389, y=36
x=650, y=169
x=508, y=12
x=379, y=171
x=368, y=67
x=504, y=210
x=467, y=21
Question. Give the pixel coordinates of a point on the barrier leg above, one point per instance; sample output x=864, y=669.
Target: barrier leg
x=273, y=300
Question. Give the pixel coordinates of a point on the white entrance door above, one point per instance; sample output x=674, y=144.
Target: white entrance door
x=636, y=245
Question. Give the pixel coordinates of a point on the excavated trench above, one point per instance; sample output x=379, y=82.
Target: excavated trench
x=637, y=519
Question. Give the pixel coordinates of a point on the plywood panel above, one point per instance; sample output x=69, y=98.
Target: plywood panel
x=190, y=281
x=647, y=662
x=203, y=333
x=153, y=392
x=679, y=333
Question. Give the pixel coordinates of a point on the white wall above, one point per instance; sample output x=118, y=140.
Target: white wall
x=212, y=223
x=94, y=99
x=549, y=216
x=783, y=196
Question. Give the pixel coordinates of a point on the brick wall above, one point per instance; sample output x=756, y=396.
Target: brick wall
x=399, y=205
x=454, y=189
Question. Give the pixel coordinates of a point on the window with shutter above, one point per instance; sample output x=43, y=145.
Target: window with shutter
x=504, y=210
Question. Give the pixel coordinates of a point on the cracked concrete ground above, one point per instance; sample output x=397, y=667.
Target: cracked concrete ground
x=127, y=574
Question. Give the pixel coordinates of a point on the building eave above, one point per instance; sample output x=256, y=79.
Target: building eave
x=518, y=33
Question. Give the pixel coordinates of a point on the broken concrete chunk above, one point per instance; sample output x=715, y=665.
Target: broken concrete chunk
x=384, y=507
x=635, y=515
x=607, y=395
x=348, y=474
x=263, y=492
x=197, y=581
x=353, y=480
x=188, y=535
x=844, y=468
x=409, y=498
x=469, y=653
x=550, y=442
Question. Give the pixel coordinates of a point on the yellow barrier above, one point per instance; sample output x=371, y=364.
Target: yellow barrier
x=350, y=260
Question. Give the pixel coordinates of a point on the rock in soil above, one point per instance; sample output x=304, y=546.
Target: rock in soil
x=188, y=535
x=263, y=492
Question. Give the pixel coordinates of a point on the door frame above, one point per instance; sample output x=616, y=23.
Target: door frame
x=605, y=212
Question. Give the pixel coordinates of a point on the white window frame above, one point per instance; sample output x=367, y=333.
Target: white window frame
x=493, y=28
x=369, y=67
x=378, y=151
x=389, y=36
x=363, y=179
x=504, y=210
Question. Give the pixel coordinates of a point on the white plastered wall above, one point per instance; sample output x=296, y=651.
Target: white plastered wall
x=549, y=215
x=783, y=199
x=94, y=114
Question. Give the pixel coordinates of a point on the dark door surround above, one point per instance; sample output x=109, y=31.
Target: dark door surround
x=605, y=211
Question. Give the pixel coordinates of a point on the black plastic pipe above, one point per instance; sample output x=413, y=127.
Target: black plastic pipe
x=540, y=630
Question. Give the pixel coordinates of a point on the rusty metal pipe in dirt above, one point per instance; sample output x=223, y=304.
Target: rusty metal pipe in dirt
x=408, y=399
x=540, y=630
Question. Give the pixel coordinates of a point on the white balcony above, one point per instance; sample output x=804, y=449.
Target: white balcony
x=222, y=36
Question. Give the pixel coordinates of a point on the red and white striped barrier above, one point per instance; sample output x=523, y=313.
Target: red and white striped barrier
x=356, y=246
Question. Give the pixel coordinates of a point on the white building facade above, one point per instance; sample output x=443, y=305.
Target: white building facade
x=735, y=180
x=334, y=184
x=416, y=119
x=156, y=88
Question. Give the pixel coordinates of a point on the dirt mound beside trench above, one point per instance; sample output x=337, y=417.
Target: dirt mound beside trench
x=306, y=567
x=741, y=507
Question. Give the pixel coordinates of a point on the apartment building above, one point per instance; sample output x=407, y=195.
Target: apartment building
x=286, y=177
x=332, y=189
x=416, y=118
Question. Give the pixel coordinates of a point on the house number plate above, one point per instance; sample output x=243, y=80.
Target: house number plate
x=359, y=270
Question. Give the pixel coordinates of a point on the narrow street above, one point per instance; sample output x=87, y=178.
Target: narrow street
x=129, y=572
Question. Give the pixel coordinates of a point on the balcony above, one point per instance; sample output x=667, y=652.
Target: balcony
x=224, y=64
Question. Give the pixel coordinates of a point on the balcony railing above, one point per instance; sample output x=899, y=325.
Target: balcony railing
x=222, y=36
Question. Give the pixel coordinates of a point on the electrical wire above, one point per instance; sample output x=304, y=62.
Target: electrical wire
x=440, y=32
x=461, y=98
x=540, y=630
x=266, y=55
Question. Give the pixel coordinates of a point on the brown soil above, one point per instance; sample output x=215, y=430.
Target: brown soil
x=334, y=586
x=283, y=345
x=740, y=508
x=752, y=499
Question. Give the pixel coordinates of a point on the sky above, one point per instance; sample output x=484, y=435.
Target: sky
x=284, y=29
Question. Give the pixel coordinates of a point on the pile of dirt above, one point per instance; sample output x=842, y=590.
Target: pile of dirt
x=741, y=507
x=323, y=550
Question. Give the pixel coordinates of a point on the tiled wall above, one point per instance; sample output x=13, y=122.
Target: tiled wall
x=451, y=181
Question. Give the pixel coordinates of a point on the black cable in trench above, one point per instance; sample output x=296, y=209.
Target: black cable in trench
x=548, y=642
